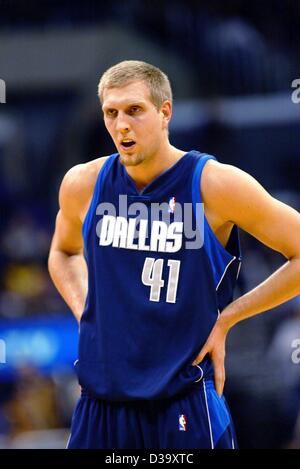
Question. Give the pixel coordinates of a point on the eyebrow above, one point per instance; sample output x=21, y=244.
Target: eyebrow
x=134, y=103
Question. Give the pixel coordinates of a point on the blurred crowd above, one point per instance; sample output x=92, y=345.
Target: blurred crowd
x=241, y=49
x=36, y=409
x=26, y=286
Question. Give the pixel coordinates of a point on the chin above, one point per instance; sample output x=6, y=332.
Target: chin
x=131, y=160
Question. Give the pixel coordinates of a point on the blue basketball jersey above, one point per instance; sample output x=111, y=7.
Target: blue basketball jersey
x=157, y=280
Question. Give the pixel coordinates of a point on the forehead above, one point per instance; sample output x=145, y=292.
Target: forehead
x=136, y=91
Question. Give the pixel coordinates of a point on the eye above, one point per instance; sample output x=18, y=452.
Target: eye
x=111, y=112
x=134, y=109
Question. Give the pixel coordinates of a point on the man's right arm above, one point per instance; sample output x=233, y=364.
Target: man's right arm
x=67, y=266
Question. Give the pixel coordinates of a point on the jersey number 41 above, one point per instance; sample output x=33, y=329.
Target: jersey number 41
x=152, y=277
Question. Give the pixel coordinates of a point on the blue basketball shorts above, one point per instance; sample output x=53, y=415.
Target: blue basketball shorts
x=198, y=419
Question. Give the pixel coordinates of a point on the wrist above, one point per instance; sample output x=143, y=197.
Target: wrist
x=225, y=320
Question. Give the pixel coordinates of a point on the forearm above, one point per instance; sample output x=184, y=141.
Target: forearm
x=281, y=286
x=69, y=275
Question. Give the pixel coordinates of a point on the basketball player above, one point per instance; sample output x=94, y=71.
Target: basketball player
x=155, y=306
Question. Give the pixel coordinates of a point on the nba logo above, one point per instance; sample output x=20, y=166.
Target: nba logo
x=172, y=203
x=182, y=423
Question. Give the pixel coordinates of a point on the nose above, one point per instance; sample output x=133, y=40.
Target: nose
x=122, y=124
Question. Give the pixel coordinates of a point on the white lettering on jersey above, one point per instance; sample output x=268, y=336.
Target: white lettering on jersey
x=143, y=225
x=175, y=230
x=122, y=233
x=131, y=223
x=107, y=230
x=159, y=236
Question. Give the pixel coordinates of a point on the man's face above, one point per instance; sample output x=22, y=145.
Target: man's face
x=136, y=126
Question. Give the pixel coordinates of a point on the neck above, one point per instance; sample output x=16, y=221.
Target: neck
x=153, y=166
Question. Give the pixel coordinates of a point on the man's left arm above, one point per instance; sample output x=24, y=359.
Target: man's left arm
x=239, y=198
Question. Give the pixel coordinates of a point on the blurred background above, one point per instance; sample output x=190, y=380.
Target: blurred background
x=231, y=65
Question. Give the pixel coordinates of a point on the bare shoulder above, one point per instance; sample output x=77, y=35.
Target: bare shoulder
x=219, y=177
x=77, y=188
x=234, y=196
x=223, y=183
x=228, y=191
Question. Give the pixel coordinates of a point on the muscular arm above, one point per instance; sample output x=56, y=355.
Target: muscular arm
x=66, y=263
x=67, y=266
x=238, y=198
x=248, y=205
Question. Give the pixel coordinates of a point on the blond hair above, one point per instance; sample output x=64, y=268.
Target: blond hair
x=129, y=71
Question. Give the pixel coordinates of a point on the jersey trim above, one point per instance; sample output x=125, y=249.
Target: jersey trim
x=208, y=416
x=220, y=258
x=220, y=281
x=96, y=195
x=218, y=415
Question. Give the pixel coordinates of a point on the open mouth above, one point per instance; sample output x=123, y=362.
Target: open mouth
x=126, y=144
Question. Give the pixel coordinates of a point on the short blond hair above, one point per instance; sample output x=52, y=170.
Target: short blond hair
x=128, y=71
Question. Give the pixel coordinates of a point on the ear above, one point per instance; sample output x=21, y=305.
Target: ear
x=166, y=113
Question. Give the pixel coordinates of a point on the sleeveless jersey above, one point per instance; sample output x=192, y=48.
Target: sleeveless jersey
x=157, y=280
